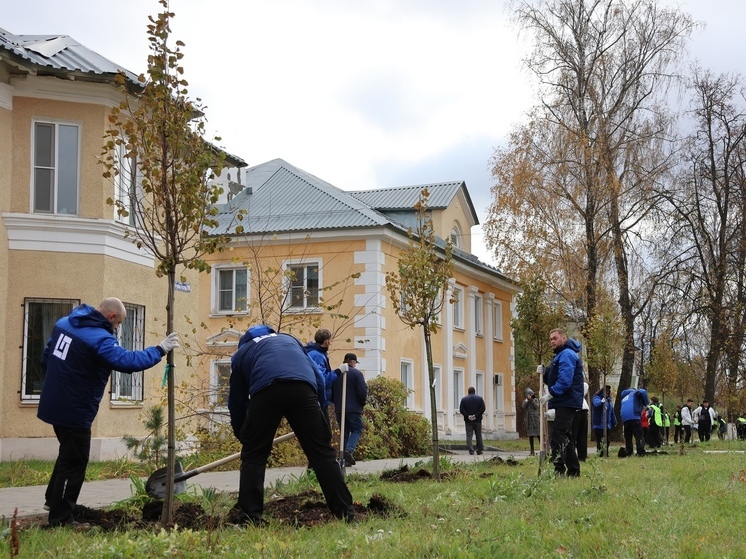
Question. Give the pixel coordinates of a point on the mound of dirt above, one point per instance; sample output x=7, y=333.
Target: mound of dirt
x=302, y=510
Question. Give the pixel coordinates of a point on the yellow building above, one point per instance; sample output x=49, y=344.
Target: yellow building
x=61, y=244
x=312, y=255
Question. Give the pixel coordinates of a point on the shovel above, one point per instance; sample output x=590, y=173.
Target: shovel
x=156, y=484
x=342, y=461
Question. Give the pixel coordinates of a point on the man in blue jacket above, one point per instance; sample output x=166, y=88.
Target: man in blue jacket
x=318, y=351
x=634, y=401
x=357, y=395
x=564, y=378
x=603, y=418
x=77, y=363
x=271, y=378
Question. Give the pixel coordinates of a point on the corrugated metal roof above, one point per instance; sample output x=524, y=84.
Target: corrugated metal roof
x=279, y=197
x=54, y=54
x=405, y=197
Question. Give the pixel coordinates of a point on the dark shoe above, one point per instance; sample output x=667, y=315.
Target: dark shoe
x=73, y=525
x=479, y=452
x=532, y=453
x=471, y=452
x=349, y=459
x=46, y=506
x=240, y=518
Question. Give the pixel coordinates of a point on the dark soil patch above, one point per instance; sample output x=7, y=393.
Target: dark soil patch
x=405, y=475
x=303, y=510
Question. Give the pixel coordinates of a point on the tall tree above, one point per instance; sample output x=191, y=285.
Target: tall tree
x=708, y=210
x=593, y=147
x=156, y=140
x=418, y=290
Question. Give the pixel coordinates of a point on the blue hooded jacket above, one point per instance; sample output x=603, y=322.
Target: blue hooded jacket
x=77, y=363
x=633, y=402
x=264, y=356
x=598, y=411
x=564, y=377
x=320, y=358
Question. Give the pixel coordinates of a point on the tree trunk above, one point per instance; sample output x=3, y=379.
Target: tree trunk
x=167, y=514
x=433, y=402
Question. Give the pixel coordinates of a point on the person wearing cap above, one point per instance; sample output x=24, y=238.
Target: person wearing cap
x=531, y=418
x=272, y=377
x=357, y=396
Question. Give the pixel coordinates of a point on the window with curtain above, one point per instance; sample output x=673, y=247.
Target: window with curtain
x=40, y=316
x=56, y=168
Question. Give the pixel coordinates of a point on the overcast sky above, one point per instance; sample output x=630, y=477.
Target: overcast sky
x=361, y=93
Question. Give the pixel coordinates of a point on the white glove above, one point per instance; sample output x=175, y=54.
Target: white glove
x=344, y=367
x=169, y=342
x=545, y=398
x=540, y=369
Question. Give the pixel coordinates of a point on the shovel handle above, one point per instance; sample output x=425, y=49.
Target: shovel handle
x=231, y=458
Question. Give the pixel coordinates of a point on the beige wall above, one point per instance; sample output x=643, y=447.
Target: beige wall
x=64, y=272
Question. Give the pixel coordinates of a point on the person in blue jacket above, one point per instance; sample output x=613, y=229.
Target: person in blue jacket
x=318, y=351
x=272, y=377
x=634, y=401
x=600, y=398
x=357, y=396
x=77, y=362
x=564, y=377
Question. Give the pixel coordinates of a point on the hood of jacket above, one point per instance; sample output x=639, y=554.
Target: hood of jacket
x=85, y=316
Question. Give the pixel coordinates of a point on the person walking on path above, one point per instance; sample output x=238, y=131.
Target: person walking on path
x=531, y=418
x=357, y=396
x=272, y=377
x=472, y=408
x=77, y=363
x=564, y=378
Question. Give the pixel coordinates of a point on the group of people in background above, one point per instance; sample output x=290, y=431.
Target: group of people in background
x=646, y=423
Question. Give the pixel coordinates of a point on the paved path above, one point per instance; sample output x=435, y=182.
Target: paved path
x=97, y=494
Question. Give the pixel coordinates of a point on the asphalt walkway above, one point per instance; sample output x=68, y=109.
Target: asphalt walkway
x=98, y=494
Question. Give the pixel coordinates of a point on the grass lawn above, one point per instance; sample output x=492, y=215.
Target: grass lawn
x=648, y=507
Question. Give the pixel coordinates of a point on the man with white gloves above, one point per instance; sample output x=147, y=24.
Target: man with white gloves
x=77, y=363
x=564, y=378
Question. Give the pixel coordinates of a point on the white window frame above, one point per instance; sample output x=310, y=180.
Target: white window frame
x=458, y=388
x=131, y=336
x=217, y=273
x=456, y=236
x=127, y=186
x=35, y=342
x=220, y=372
x=478, y=315
x=406, y=368
x=458, y=308
x=290, y=281
x=479, y=384
x=497, y=320
x=57, y=166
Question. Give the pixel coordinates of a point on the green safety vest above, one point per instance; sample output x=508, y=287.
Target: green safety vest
x=657, y=416
x=667, y=419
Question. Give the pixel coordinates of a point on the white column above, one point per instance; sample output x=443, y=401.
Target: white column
x=372, y=301
x=471, y=335
x=489, y=356
x=447, y=369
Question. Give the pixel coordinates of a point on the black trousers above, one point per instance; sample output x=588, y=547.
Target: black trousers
x=298, y=403
x=68, y=473
x=562, y=443
x=474, y=428
x=633, y=428
x=687, y=433
x=580, y=434
x=598, y=434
